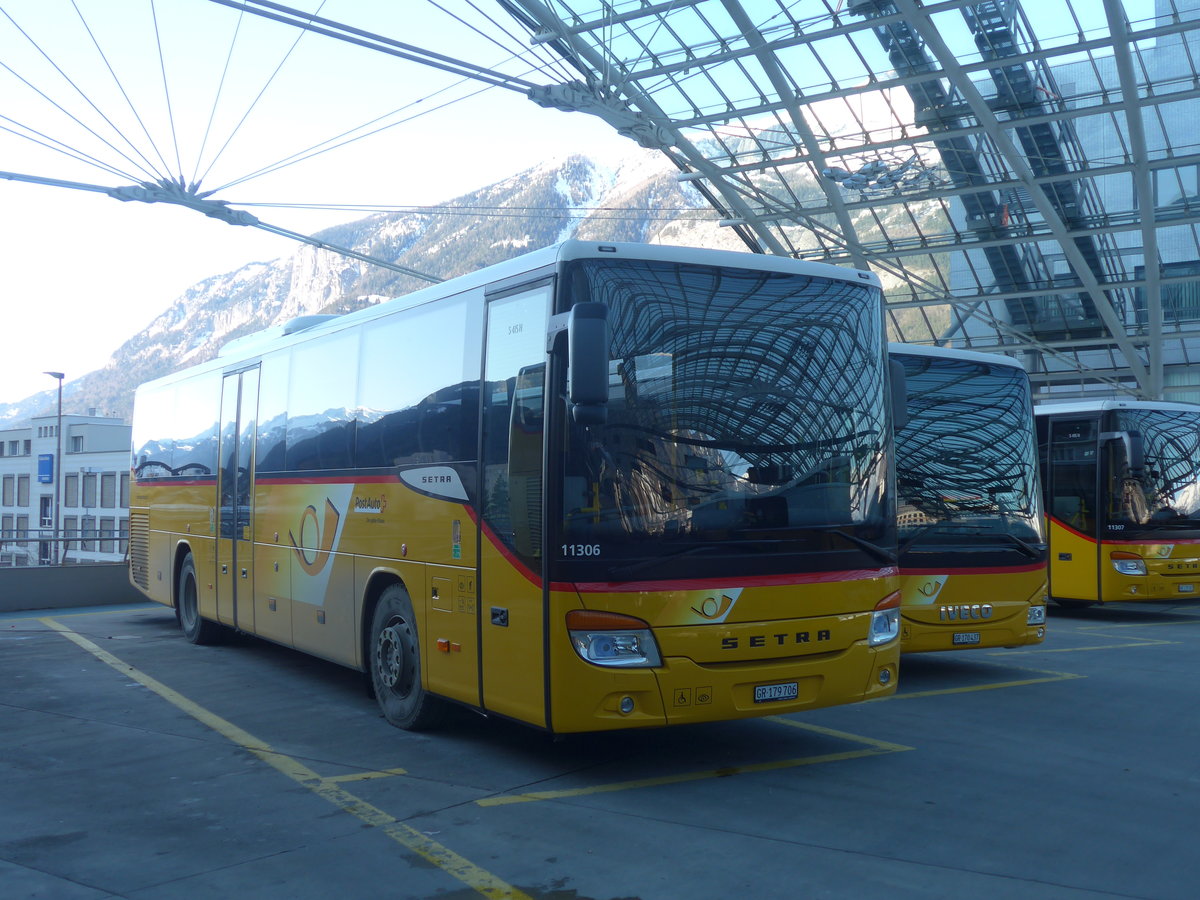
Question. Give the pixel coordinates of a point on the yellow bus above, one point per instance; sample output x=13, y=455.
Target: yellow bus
x=574, y=489
x=1122, y=486
x=969, y=515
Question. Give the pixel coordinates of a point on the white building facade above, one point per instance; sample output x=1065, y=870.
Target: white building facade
x=87, y=520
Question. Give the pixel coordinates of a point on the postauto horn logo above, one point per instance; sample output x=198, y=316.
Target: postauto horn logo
x=315, y=545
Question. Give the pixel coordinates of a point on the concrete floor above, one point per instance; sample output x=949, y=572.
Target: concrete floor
x=135, y=765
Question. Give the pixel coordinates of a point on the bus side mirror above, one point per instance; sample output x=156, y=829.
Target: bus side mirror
x=1135, y=449
x=899, y=388
x=587, y=363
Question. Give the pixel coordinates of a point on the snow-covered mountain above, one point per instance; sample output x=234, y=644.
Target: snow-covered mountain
x=637, y=200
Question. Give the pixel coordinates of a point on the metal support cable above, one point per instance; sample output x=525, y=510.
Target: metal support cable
x=167, y=191
x=377, y=42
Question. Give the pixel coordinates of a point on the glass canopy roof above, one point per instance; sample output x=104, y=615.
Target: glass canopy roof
x=1006, y=168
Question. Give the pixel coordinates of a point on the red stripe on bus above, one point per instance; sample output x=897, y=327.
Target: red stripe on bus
x=1165, y=538
x=971, y=570
x=703, y=584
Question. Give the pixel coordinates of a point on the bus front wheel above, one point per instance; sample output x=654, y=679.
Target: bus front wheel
x=187, y=607
x=395, y=661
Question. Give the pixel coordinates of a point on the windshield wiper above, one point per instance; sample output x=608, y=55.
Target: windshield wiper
x=959, y=527
x=880, y=553
x=1032, y=550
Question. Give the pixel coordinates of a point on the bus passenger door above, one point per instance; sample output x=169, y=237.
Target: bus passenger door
x=235, y=498
x=511, y=600
x=1072, y=508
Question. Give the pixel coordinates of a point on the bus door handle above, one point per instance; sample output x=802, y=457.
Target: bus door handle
x=243, y=573
x=224, y=569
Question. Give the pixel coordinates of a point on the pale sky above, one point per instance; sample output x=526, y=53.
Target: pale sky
x=81, y=272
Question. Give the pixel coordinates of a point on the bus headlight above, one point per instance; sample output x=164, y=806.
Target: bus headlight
x=611, y=639
x=1036, y=615
x=885, y=620
x=1128, y=563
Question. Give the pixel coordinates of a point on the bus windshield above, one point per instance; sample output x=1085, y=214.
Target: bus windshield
x=1152, y=463
x=746, y=427
x=966, y=470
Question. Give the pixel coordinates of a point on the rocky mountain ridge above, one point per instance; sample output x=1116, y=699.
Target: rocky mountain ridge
x=638, y=200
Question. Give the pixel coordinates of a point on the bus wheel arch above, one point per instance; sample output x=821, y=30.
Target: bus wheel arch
x=394, y=665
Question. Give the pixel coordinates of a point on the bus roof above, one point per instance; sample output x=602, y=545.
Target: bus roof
x=953, y=353
x=1086, y=406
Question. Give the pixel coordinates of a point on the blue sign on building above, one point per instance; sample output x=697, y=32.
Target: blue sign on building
x=45, y=468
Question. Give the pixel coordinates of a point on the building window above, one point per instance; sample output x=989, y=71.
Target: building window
x=6, y=493
x=89, y=490
x=108, y=490
x=77, y=443
x=22, y=490
x=22, y=527
x=107, y=534
x=47, y=511
x=124, y=490
x=27, y=447
x=6, y=527
x=71, y=491
x=71, y=532
x=88, y=542
x=124, y=525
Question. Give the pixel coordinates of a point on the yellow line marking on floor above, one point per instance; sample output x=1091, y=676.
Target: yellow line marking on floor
x=874, y=748
x=445, y=859
x=1105, y=626
x=365, y=776
x=1110, y=646
x=882, y=746
x=1048, y=678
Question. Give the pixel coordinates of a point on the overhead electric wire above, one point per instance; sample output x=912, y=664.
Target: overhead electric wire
x=162, y=67
x=49, y=143
x=254, y=102
x=120, y=87
x=150, y=172
x=212, y=113
x=623, y=213
x=321, y=148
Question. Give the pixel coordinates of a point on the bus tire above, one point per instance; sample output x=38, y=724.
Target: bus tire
x=187, y=607
x=395, y=663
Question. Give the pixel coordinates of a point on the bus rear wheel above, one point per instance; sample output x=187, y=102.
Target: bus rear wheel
x=187, y=607
x=395, y=663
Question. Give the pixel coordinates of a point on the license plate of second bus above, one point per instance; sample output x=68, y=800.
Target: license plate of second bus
x=966, y=637
x=764, y=693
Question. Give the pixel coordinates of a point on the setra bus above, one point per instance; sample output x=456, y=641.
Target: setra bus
x=1122, y=486
x=574, y=489
x=970, y=528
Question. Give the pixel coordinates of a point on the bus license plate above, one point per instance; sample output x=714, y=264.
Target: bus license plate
x=1186, y=588
x=765, y=693
x=966, y=637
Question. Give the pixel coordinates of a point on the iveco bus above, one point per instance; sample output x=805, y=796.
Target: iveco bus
x=1122, y=484
x=599, y=486
x=972, y=550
